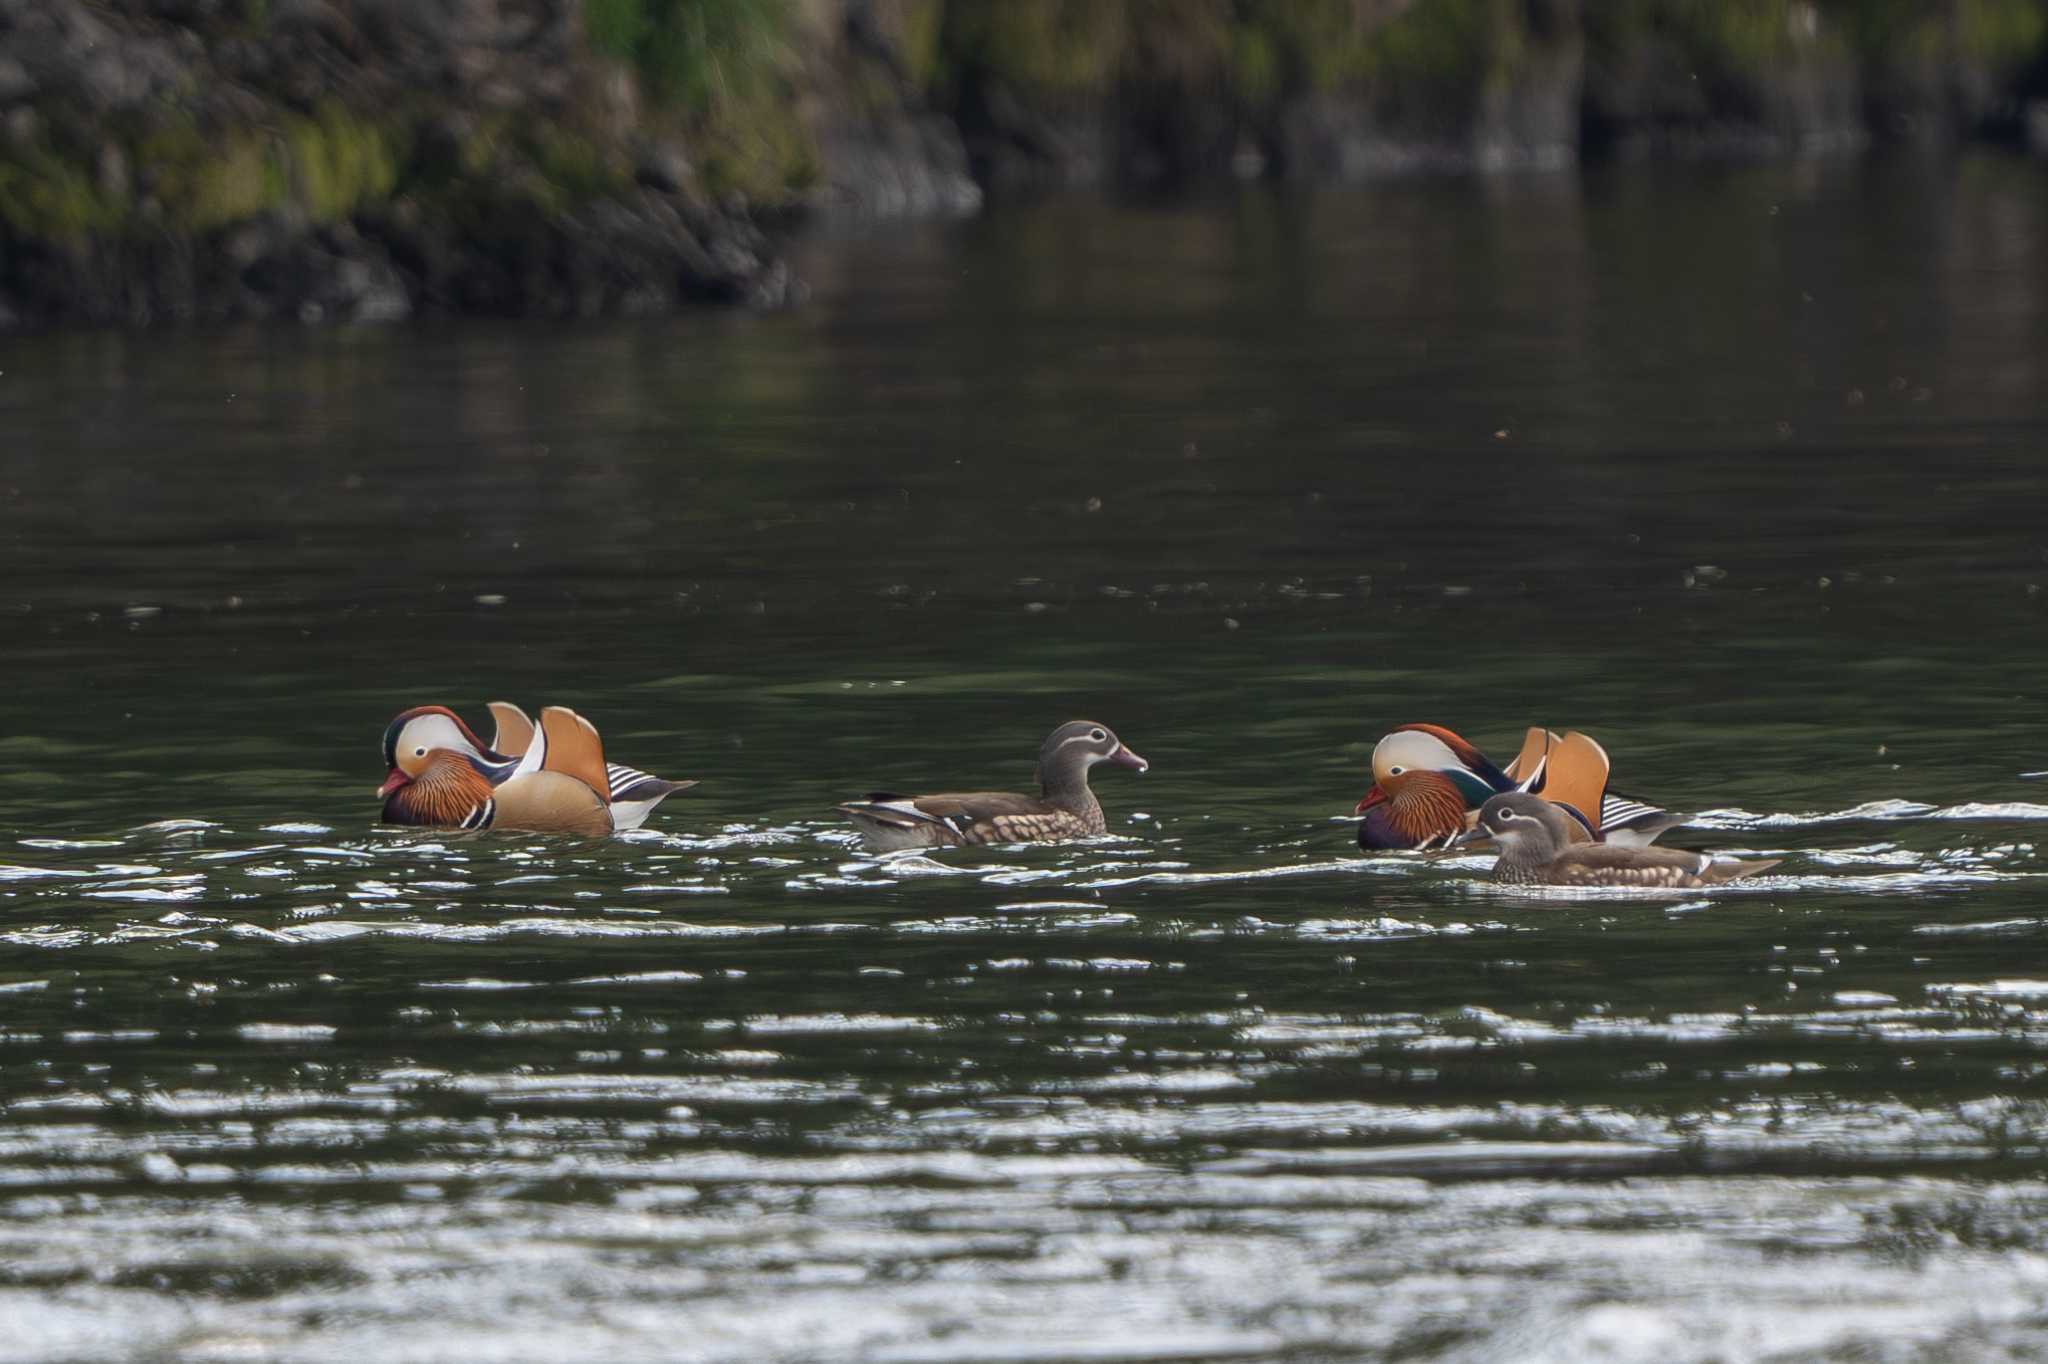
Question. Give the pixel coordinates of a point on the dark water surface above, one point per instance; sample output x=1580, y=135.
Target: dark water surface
x=1740, y=470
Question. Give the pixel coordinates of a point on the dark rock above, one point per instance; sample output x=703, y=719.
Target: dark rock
x=106, y=71
x=21, y=127
x=332, y=274
x=777, y=286
x=242, y=59
x=15, y=81
x=186, y=11
x=1652, y=94
x=1326, y=137
x=376, y=158
x=315, y=18
x=662, y=164
x=110, y=171
x=242, y=245
x=895, y=168
x=1530, y=120
x=1013, y=141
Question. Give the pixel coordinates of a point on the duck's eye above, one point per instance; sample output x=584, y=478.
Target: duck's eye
x=1505, y=815
x=1097, y=735
x=1396, y=771
x=419, y=753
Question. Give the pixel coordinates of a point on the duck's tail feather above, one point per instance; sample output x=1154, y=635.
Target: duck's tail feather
x=1721, y=872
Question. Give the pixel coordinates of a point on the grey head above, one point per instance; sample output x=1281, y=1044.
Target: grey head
x=1530, y=830
x=1069, y=751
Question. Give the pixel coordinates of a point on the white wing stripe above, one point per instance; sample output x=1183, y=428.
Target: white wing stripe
x=534, y=757
x=620, y=777
x=1621, y=809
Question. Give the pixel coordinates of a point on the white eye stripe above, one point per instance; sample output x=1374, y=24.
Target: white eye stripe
x=436, y=731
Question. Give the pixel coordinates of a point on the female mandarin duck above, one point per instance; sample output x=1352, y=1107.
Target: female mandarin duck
x=442, y=775
x=1428, y=783
x=1538, y=847
x=1065, y=808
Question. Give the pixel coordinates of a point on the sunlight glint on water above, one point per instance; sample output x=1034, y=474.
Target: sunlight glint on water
x=281, y=1084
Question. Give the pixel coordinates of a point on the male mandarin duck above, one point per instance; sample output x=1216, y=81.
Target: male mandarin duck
x=633, y=793
x=1064, y=808
x=1428, y=783
x=1539, y=846
x=443, y=776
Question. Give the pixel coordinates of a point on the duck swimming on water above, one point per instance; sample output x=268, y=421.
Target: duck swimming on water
x=554, y=781
x=1537, y=849
x=1428, y=784
x=1064, y=808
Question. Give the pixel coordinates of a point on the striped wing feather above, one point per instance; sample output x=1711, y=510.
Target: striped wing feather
x=630, y=783
x=1629, y=822
x=1619, y=811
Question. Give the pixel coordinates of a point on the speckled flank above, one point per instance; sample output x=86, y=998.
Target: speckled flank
x=1065, y=809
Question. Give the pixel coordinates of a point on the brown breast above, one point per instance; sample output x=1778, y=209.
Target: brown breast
x=441, y=797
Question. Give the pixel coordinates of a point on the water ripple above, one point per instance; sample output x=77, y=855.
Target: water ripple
x=1201, y=1091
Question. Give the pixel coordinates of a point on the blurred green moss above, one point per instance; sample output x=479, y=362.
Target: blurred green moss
x=1300, y=44
x=1259, y=51
x=1049, y=46
x=1740, y=36
x=918, y=40
x=694, y=54
x=1441, y=40
x=576, y=165
x=191, y=178
x=204, y=181
x=2006, y=34
x=339, y=161
x=47, y=197
x=725, y=76
x=723, y=68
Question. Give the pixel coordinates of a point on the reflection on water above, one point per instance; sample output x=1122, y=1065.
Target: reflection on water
x=1735, y=469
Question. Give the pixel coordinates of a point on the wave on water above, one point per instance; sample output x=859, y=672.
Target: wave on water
x=430, y=888
x=1876, y=810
